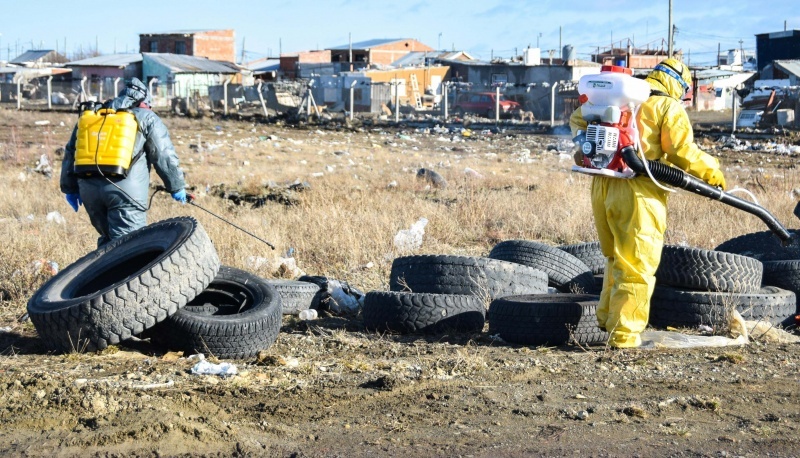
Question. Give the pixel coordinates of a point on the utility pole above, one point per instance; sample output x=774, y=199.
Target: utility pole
x=741, y=49
x=669, y=43
x=350, y=46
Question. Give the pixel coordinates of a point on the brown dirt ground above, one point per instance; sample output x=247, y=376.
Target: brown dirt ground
x=332, y=389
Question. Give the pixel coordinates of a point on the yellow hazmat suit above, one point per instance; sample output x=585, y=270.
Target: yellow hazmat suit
x=631, y=214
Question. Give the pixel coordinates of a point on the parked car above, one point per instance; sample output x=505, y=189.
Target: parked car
x=483, y=103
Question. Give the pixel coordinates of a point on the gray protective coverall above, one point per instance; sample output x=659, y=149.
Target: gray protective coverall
x=112, y=212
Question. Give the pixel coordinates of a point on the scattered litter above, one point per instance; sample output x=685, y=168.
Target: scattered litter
x=42, y=123
x=410, y=239
x=43, y=166
x=44, y=266
x=5, y=329
x=392, y=184
x=280, y=266
x=203, y=367
x=673, y=339
x=55, y=217
x=309, y=314
x=472, y=173
x=336, y=296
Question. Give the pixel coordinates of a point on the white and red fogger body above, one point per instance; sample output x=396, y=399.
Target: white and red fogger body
x=608, y=105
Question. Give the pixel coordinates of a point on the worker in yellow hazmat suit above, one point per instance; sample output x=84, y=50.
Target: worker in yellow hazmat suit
x=631, y=214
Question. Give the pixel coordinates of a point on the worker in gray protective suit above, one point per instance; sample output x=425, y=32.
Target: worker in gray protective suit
x=117, y=205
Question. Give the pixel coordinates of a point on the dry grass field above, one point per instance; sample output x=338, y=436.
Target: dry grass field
x=329, y=388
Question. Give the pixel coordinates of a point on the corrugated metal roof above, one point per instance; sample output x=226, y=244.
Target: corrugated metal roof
x=113, y=60
x=268, y=65
x=31, y=56
x=789, y=66
x=179, y=63
x=371, y=43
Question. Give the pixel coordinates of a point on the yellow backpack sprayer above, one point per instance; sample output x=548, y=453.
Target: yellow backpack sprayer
x=611, y=143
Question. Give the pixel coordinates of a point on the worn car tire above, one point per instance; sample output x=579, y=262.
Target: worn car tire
x=546, y=319
x=764, y=246
x=422, y=312
x=484, y=277
x=707, y=270
x=296, y=296
x=783, y=274
x=247, y=318
x=687, y=308
x=124, y=287
x=590, y=254
x=564, y=271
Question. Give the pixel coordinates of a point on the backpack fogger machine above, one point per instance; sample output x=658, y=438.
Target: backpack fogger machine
x=611, y=143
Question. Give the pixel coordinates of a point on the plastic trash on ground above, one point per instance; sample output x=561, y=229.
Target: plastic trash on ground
x=203, y=367
x=407, y=240
x=337, y=296
x=673, y=339
x=55, y=217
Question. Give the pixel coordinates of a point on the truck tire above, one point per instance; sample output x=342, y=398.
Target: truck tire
x=124, y=287
x=686, y=308
x=422, y=312
x=296, y=296
x=547, y=319
x=763, y=246
x=707, y=270
x=478, y=276
x=590, y=254
x=247, y=318
x=564, y=271
x=783, y=274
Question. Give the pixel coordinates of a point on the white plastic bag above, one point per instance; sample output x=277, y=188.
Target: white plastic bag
x=407, y=240
x=673, y=339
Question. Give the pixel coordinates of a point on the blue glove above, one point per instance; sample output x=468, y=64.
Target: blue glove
x=180, y=196
x=74, y=200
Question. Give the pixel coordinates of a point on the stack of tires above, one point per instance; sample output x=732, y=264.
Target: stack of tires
x=566, y=313
x=752, y=274
x=165, y=280
x=439, y=293
x=535, y=294
x=781, y=265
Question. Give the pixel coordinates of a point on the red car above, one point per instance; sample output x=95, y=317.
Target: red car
x=483, y=103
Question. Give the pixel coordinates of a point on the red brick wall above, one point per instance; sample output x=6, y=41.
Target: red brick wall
x=213, y=44
x=216, y=45
x=289, y=62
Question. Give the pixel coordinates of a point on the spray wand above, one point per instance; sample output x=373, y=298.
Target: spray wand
x=190, y=198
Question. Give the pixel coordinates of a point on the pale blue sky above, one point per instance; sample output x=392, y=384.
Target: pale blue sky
x=483, y=28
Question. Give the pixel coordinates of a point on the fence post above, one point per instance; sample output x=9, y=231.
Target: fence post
x=50, y=92
x=116, y=82
x=225, y=94
x=553, y=104
x=352, y=88
x=261, y=98
x=19, y=92
x=497, y=104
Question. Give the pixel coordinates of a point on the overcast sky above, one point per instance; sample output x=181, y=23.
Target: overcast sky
x=485, y=29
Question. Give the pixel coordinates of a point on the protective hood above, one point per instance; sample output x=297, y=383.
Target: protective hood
x=134, y=93
x=672, y=77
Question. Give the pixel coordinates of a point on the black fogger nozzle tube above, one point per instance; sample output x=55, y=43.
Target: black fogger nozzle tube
x=680, y=179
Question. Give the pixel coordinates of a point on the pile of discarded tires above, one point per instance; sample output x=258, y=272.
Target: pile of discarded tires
x=538, y=294
x=164, y=280
x=534, y=293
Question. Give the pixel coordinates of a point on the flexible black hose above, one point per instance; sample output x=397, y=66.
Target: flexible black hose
x=680, y=179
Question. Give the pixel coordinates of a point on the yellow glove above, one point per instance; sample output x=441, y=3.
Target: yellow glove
x=578, y=157
x=714, y=177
